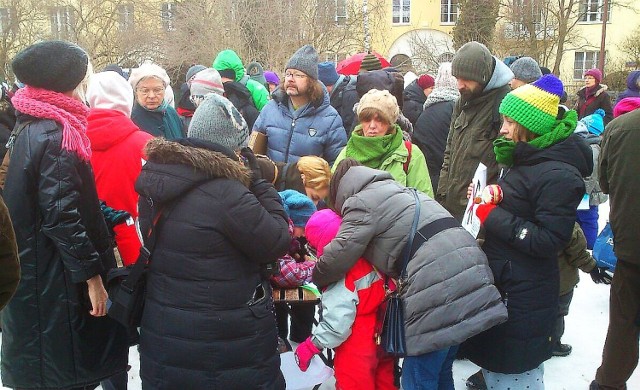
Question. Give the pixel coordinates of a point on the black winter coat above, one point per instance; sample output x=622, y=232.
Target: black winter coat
x=430, y=135
x=414, y=98
x=343, y=97
x=523, y=237
x=208, y=321
x=241, y=99
x=588, y=105
x=49, y=339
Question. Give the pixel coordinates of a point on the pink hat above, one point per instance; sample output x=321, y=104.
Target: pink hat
x=626, y=105
x=425, y=81
x=595, y=72
x=321, y=228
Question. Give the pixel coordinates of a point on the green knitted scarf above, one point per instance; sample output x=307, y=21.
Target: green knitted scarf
x=373, y=151
x=562, y=129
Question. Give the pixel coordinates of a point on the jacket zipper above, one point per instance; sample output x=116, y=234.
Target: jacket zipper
x=286, y=154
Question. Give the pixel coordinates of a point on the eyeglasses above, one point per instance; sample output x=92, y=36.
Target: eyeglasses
x=147, y=92
x=298, y=76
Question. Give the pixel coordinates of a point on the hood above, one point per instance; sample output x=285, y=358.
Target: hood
x=414, y=92
x=633, y=81
x=280, y=96
x=501, y=76
x=108, y=127
x=573, y=151
x=237, y=89
x=321, y=228
x=439, y=95
x=229, y=59
x=173, y=168
x=355, y=180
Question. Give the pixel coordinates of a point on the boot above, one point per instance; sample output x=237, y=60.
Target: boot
x=560, y=349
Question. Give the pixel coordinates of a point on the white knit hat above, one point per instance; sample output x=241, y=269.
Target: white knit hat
x=206, y=81
x=445, y=78
x=147, y=70
x=108, y=90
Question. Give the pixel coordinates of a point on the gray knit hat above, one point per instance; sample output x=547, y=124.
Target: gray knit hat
x=473, y=61
x=256, y=72
x=305, y=60
x=526, y=69
x=217, y=120
x=193, y=71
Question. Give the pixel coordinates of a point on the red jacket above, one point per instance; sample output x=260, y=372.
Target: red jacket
x=117, y=159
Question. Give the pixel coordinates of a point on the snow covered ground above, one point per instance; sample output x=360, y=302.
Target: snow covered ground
x=586, y=329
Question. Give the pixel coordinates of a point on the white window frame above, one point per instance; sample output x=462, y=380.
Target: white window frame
x=126, y=17
x=61, y=19
x=168, y=14
x=449, y=11
x=591, y=11
x=400, y=12
x=341, y=12
x=583, y=61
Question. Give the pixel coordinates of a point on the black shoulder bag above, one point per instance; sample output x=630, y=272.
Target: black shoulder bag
x=127, y=285
x=392, y=338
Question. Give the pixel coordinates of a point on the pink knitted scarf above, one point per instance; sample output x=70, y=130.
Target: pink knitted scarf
x=69, y=112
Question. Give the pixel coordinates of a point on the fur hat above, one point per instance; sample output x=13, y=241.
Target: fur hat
x=596, y=73
x=298, y=207
x=383, y=101
x=109, y=90
x=305, y=59
x=271, y=77
x=535, y=105
x=370, y=62
x=148, y=70
x=256, y=72
x=444, y=78
x=526, y=69
x=473, y=61
x=206, y=81
x=58, y=66
x=217, y=120
x=327, y=73
x=594, y=122
x=425, y=81
x=193, y=71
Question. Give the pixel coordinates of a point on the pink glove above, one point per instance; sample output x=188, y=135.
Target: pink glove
x=304, y=354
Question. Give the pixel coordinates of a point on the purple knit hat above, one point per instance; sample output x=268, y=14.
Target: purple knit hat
x=272, y=77
x=596, y=73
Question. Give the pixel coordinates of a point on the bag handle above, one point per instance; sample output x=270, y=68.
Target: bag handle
x=406, y=252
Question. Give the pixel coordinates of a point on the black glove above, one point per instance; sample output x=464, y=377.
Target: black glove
x=599, y=275
x=251, y=162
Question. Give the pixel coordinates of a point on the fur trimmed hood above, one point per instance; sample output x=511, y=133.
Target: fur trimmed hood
x=210, y=163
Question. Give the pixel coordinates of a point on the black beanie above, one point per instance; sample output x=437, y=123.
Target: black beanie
x=473, y=61
x=53, y=65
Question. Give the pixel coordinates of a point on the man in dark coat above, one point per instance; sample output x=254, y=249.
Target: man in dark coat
x=483, y=80
x=415, y=95
x=342, y=92
x=619, y=167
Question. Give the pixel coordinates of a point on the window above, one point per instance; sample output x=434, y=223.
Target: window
x=125, y=17
x=526, y=20
x=401, y=11
x=449, y=11
x=584, y=61
x=341, y=12
x=61, y=22
x=591, y=10
x=169, y=16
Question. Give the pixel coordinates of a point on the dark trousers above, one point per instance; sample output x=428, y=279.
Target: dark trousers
x=620, y=354
x=116, y=382
x=302, y=316
x=563, y=309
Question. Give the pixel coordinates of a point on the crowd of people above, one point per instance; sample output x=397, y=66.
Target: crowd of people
x=100, y=164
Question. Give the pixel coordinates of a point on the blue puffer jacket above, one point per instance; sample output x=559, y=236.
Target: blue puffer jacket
x=317, y=131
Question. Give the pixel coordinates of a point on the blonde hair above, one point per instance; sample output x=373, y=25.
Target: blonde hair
x=80, y=91
x=523, y=134
x=316, y=172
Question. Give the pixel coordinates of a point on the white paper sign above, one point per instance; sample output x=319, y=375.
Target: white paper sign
x=317, y=372
x=470, y=221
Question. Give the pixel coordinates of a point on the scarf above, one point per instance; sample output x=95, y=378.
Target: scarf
x=441, y=95
x=65, y=110
x=562, y=129
x=171, y=123
x=373, y=151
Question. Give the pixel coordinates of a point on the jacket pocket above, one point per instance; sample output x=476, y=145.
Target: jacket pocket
x=261, y=303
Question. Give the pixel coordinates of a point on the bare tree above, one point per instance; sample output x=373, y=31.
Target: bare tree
x=477, y=22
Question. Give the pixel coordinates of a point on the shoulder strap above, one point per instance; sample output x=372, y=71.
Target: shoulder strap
x=405, y=166
x=406, y=252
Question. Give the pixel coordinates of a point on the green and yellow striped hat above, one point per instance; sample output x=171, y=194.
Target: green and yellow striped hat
x=535, y=105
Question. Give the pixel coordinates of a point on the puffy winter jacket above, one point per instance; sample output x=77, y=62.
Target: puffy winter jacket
x=524, y=234
x=441, y=308
x=49, y=339
x=117, y=159
x=413, y=102
x=317, y=131
x=343, y=97
x=229, y=59
x=240, y=97
x=208, y=320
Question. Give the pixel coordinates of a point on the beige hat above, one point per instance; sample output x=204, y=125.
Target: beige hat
x=383, y=101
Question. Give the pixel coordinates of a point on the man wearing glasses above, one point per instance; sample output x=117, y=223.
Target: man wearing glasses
x=299, y=121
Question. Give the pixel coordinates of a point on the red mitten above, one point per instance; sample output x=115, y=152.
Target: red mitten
x=304, y=353
x=483, y=211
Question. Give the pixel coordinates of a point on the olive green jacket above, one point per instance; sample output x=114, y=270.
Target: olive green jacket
x=573, y=257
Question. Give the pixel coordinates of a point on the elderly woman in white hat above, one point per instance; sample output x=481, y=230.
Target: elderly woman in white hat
x=151, y=110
